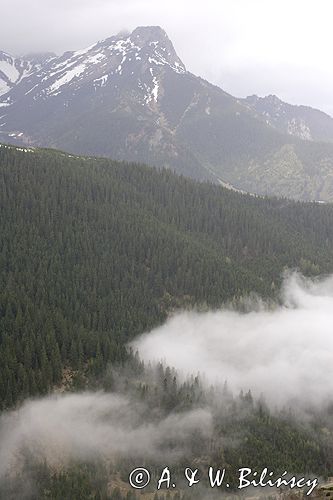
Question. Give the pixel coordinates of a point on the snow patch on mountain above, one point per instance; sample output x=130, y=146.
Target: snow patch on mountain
x=66, y=78
x=9, y=70
x=154, y=92
x=151, y=91
x=101, y=82
x=12, y=72
x=161, y=61
x=4, y=87
x=84, y=51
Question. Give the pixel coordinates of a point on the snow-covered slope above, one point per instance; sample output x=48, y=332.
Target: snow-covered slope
x=139, y=55
x=13, y=70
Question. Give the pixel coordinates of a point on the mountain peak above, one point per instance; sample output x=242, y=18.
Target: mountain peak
x=154, y=41
x=132, y=60
x=274, y=99
x=271, y=98
x=38, y=57
x=150, y=33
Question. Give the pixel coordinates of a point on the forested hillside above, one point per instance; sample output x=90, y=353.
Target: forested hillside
x=93, y=252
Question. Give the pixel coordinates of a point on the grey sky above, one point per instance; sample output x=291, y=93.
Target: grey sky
x=245, y=46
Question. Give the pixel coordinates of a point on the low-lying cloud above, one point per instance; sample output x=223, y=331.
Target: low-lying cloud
x=88, y=426
x=284, y=352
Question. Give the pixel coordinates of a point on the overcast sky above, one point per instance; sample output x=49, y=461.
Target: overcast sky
x=245, y=46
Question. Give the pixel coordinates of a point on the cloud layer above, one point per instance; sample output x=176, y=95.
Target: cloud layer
x=284, y=353
x=89, y=426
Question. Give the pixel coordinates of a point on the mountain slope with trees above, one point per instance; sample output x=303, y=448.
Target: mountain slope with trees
x=94, y=252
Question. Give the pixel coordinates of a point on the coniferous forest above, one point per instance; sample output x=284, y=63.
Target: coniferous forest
x=95, y=252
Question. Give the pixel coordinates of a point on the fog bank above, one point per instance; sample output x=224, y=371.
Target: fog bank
x=87, y=426
x=284, y=353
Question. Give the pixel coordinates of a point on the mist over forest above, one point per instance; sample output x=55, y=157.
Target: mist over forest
x=280, y=350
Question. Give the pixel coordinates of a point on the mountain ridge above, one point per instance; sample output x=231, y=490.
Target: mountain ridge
x=302, y=121
x=130, y=97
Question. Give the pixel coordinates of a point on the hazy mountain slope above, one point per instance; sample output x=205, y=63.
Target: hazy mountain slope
x=103, y=100
x=299, y=121
x=130, y=97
